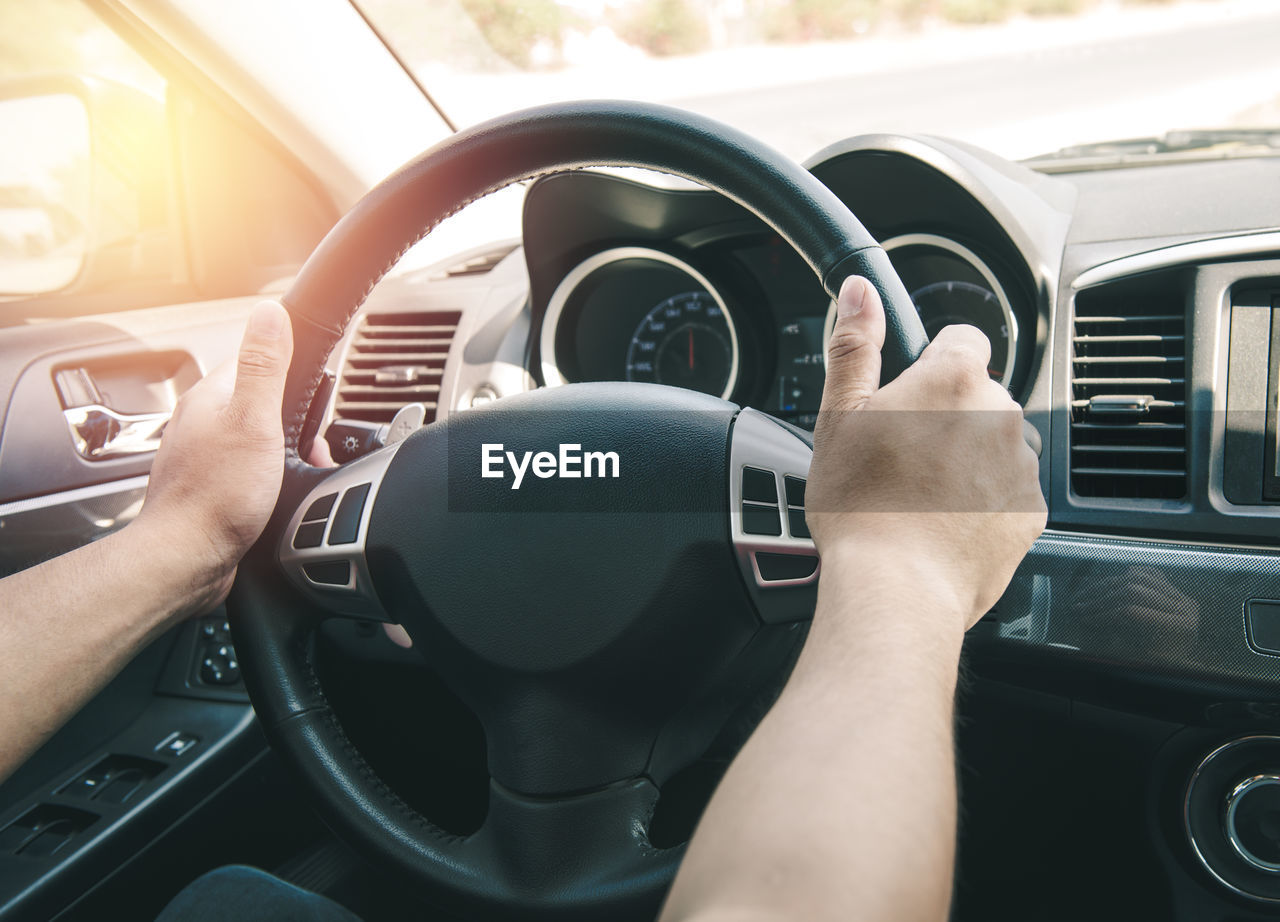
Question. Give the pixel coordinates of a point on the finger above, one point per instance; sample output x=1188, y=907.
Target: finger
x=962, y=344
x=262, y=365
x=319, y=454
x=1031, y=435
x=853, y=355
x=214, y=389
x=398, y=635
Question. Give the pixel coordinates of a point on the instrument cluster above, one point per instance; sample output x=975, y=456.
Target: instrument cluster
x=747, y=321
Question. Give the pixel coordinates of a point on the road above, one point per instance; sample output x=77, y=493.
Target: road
x=1018, y=89
x=1021, y=103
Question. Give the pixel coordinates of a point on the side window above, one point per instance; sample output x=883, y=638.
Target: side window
x=121, y=187
x=86, y=197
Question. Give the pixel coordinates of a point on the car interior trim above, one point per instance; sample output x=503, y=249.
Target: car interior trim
x=1232, y=831
x=1197, y=251
x=78, y=495
x=101, y=433
x=761, y=443
x=1196, y=846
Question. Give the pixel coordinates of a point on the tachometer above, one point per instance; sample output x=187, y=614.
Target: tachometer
x=688, y=341
x=943, y=303
x=949, y=283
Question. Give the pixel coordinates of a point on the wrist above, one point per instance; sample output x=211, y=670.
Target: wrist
x=882, y=618
x=895, y=589
x=175, y=565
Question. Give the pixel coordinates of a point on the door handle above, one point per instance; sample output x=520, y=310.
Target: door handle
x=100, y=433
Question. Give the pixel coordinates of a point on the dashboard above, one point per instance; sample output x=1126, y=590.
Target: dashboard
x=635, y=280
x=1130, y=311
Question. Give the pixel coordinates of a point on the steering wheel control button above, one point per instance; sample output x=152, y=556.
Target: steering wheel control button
x=309, y=534
x=329, y=573
x=775, y=568
x=779, y=564
x=320, y=509
x=759, y=486
x=761, y=520
x=796, y=524
x=1253, y=821
x=334, y=572
x=346, y=521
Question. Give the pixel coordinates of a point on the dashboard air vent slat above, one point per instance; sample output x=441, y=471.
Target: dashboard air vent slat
x=395, y=359
x=1128, y=393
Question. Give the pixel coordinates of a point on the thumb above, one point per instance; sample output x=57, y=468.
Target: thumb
x=262, y=365
x=853, y=355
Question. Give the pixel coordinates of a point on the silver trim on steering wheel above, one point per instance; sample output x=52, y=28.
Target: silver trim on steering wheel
x=976, y=262
x=560, y=298
x=761, y=442
x=356, y=597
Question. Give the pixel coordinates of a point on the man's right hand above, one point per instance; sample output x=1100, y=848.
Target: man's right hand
x=217, y=475
x=931, y=471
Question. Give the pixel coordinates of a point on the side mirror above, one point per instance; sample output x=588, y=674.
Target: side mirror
x=44, y=192
x=84, y=186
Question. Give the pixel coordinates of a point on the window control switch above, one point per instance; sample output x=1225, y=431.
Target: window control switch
x=44, y=830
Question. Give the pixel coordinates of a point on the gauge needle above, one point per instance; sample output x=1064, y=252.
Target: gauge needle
x=691, y=348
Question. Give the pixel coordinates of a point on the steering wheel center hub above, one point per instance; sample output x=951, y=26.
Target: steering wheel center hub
x=593, y=520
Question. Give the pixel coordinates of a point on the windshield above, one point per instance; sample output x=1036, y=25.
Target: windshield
x=1018, y=77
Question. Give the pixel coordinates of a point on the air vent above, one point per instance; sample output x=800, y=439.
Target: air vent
x=394, y=359
x=1129, y=392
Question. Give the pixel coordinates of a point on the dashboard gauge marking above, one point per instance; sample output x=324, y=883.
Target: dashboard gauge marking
x=684, y=341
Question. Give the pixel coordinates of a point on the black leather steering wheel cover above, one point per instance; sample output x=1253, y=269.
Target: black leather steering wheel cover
x=273, y=629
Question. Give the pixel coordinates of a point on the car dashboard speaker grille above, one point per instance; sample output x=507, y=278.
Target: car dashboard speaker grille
x=395, y=359
x=1129, y=393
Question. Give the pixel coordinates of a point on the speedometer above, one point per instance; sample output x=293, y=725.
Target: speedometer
x=639, y=314
x=688, y=341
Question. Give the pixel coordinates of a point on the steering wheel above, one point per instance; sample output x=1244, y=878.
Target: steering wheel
x=601, y=627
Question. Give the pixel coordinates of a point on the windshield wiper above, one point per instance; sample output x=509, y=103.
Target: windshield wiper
x=1195, y=144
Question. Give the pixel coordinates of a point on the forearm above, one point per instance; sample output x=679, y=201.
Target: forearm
x=70, y=624
x=842, y=805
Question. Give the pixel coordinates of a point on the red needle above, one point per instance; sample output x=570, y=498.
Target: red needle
x=691, y=348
